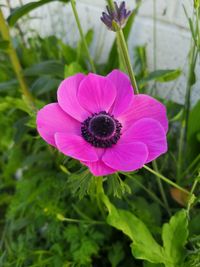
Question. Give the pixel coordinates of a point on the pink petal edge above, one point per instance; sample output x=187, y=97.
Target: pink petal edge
x=124, y=91
x=99, y=168
x=67, y=97
x=51, y=119
x=151, y=133
x=126, y=157
x=76, y=147
x=144, y=106
x=96, y=93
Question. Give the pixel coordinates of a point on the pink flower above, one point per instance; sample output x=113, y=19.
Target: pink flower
x=99, y=121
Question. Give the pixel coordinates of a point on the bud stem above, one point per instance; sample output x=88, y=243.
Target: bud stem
x=127, y=60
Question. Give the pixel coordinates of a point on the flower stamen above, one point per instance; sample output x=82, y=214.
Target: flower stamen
x=101, y=130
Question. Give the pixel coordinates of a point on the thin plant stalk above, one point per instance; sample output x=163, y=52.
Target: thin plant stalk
x=60, y=217
x=193, y=55
x=149, y=192
x=82, y=35
x=160, y=186
x=124, y=49
x=99, y=192
x=190, y=167
x=15, y=60
x=190, y=202
x=167, y=180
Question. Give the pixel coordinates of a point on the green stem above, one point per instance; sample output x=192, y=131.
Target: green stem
x=160, y=186
x=124, y=49
x=149, y=192
x=194, y=162
x=99, y=192
x=64, y=219
x=192, y=198
x=14, y=60
x=180, y=151
x=122, y=62
x=82, y=35
x=166, y=179
x=111, y=4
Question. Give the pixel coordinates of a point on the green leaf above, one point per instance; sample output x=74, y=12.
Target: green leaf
x=174, y=235
x=11, y=84
x=50, y=67
x=19, y=12
x=116, y=254
x=117, y=187
x=149, y=264
x=82, y=184
x=11, y=102
x=45, y=84
x=162, y=76
x=72, y=69
x=144, y=245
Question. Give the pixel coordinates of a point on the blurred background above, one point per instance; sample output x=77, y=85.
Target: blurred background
x=161, y=25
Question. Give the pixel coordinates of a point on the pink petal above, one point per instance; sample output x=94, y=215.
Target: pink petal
x=144, y=106
x=151, y=133
x=126, y=156
x=124, y=91
x=99, y=168
x=76, y=147
x=67, y=97
x=52, y=119
x=96, y=93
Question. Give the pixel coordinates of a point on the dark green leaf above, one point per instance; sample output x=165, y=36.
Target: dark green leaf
x=25, y=9
x=162, y=76
x=50, y=67
x=11, y=84
x=45, y=84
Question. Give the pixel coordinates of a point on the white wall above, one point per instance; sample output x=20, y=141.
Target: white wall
x=173, y=35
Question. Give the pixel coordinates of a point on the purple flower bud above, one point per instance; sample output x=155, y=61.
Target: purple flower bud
x=119, y=14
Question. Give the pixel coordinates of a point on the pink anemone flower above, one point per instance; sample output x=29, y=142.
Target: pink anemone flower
x=99, y=121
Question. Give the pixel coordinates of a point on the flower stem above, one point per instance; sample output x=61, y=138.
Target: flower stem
x=166, y=180
x=82, y=35
x=192, y=198
x=60, y=217
x=99, y=193
x=15, y=61
x=162, y=192
x=124, y=49
x=190, y=167
x=180, y=151
x=111, y=4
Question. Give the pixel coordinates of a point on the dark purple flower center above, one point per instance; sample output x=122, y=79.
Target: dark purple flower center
x=101, y=130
